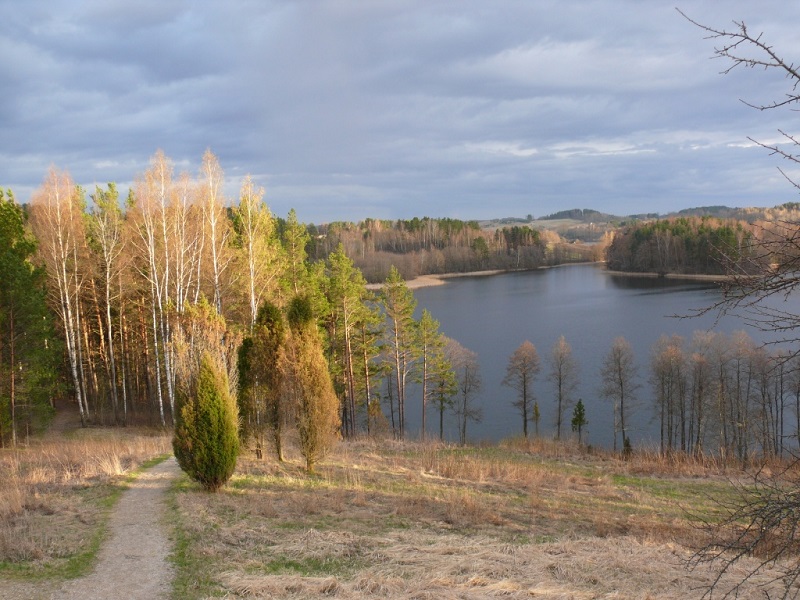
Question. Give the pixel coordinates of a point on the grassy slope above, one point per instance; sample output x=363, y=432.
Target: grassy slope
x=402, y=520
x=385, y=520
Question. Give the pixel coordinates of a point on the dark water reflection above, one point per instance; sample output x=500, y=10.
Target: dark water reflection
x=493, y=315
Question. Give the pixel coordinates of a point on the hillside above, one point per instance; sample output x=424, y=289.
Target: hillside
x=382, y=519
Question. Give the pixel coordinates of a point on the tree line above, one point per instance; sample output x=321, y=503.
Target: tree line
x=112, y=303
x=686, y=245
x=422, y=246
x=716, y=393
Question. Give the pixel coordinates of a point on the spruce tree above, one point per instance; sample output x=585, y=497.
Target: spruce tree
x=206, y=441
x=579, y=420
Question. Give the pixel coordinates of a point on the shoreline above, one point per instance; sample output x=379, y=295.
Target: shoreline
x=676, y=276
x=436, y=279
x=432, y=280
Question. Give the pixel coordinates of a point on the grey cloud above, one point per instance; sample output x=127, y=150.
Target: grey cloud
x=351, y=109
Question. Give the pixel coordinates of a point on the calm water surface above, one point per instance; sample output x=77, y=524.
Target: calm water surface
x=494, y=315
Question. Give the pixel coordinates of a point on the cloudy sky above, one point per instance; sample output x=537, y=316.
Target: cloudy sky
x=346, y=109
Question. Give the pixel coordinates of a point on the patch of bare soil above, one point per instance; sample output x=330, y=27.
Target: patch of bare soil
x=133, y=561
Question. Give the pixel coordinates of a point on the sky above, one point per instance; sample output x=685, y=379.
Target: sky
x=348, y=109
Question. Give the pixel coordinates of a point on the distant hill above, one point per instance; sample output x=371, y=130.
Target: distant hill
x=572, y=222
x=720, y=212
x=580, y=214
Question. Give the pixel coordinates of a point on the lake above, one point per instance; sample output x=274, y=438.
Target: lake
x=493, y=315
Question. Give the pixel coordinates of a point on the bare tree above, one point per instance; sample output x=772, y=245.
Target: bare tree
x=764, y=521
x=523, y=366
x=564, y=375
x=759, y=520
x=619, y=385
x=772, y=269
x=668, y=377
x=468, y=377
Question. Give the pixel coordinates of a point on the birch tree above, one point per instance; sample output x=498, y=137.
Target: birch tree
x=106, y=237
x=261, y=251
x=618, y=375
x=56, y=220
x=151, y=193
x=216, y=222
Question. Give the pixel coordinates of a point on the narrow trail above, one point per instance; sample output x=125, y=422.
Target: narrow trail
x=132, y=562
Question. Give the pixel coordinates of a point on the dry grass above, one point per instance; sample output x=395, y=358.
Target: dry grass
x=395, y=520
x=56, y=492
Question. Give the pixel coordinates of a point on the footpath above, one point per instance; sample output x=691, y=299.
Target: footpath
x=132, y=563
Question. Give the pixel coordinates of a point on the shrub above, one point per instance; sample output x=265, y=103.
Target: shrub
x=206, y=441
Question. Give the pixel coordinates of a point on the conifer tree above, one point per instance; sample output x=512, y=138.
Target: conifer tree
x=399, y=304
x=206, y=441
x=260, y=379
x=28, y=348
x=579, y=420
x=309, y=386
x=429, y=353
x=444, y=385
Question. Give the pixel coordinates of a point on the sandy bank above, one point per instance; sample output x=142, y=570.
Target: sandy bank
x=439, y=279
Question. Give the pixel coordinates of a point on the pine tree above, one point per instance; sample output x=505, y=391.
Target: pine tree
x=399, y=303
x=429, y=353
x=206, y=441
x=28, y=348
x=345, y=290
x=444, y=385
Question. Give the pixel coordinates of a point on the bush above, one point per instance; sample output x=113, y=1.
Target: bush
x=206, y=441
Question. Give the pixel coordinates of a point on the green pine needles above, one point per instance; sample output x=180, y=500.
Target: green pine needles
x=206, y=441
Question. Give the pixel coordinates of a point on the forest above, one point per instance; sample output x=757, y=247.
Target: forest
x=109, y=304
x=688, y=245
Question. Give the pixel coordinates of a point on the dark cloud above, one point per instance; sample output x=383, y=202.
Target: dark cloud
x=347, y=109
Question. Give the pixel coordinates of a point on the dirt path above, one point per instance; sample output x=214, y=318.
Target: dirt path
x=133, y=561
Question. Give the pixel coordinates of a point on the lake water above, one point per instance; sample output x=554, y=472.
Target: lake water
x=493, y=315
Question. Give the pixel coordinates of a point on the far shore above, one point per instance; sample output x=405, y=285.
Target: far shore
x=432, y=280
x=677, y=276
